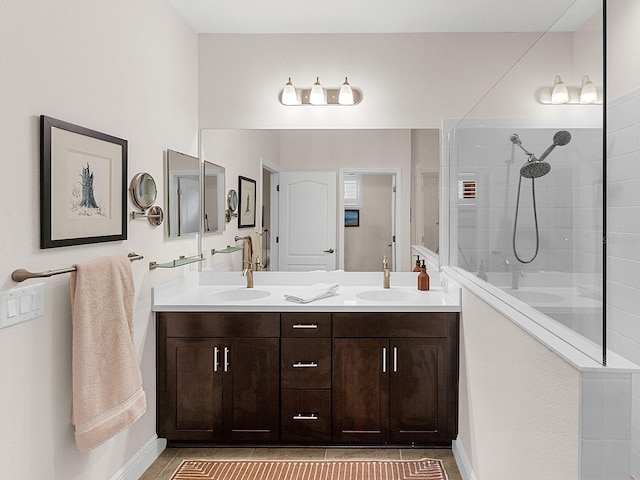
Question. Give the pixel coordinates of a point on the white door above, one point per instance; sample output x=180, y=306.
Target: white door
x=307, y=215
x=431, y=204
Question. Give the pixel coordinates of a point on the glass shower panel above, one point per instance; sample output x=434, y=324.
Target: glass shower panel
x=525, y=186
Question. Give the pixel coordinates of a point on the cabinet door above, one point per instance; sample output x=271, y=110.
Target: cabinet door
x=360, y=391
x=418, y=391
x=194, y=389
x=251, y=389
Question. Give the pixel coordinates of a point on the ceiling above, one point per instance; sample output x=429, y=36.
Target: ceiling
x=384, y=16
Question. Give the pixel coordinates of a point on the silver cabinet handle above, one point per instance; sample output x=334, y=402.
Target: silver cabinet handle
x=216, y=358
x=305, y=365
x=384, y=359
x=330, y=250
x=395, y=359
x=226, y=359
x=305, y=416
x=310, y=326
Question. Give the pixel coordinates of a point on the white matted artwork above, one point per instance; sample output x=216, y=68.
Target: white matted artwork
x=83, y=185
x=247, y=206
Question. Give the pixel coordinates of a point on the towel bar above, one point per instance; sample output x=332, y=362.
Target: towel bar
x=21, y=274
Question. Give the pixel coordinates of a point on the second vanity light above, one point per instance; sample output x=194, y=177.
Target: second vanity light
x=318, y=95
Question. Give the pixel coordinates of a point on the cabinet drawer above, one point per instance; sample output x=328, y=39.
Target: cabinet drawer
x=306, y=416
x=305, y=362
x=214, y=324
x=304, y=325
x=394, y=325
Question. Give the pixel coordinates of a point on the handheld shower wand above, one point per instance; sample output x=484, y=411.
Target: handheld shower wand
x=534, y=168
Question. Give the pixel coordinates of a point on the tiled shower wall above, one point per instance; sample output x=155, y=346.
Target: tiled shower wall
x=623, y=243
x=567, y=200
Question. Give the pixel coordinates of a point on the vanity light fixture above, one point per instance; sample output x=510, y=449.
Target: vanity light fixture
x=588, y=92
x=559, y=93
x=318, y=95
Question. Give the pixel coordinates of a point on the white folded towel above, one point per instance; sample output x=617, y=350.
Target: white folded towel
x=314, y=292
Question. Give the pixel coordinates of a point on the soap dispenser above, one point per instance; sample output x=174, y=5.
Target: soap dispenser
x=417, y=267
x=423, y=278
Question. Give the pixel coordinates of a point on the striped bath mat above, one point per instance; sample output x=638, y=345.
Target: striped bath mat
x=425, y=469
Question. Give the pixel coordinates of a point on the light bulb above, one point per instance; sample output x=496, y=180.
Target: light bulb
x=317, y=94
x=345, y=97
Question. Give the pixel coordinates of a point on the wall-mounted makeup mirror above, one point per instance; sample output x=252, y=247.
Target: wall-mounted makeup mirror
x=144, y=192
x=214, y=207
x=232, y=205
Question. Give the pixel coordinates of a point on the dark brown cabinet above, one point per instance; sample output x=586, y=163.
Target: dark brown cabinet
x=395, y=378
x=306, y=377
x=357, y=378
x=218, y=377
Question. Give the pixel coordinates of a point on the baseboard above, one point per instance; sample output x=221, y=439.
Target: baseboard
x=142, y=460
x=466, y=472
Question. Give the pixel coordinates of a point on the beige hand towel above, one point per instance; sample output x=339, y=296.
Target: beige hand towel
x=256, y=251
x=246, y=254
x=107, y=383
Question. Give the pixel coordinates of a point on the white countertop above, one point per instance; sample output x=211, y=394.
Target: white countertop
x=204, y=292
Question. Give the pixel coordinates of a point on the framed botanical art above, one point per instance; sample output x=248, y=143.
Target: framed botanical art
x=83, y=185
x=247, y=206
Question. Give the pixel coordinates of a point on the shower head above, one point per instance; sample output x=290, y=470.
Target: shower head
x=560, y=139
x=534, y=168
x=515, y=138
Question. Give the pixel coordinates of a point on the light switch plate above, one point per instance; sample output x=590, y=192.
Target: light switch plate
x=21, y=304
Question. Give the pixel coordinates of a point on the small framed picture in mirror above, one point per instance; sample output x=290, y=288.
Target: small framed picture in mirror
x=247, y=205
x=351, y=218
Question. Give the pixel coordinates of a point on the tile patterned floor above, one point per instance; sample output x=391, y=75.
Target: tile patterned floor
x=170, y=459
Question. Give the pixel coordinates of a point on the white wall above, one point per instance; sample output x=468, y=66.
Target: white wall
x=123, y=68
x=519, y=402
x=407, y=80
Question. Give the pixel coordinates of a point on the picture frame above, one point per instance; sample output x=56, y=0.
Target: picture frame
x=247, y=204
x=351, y=217
x=83, y=185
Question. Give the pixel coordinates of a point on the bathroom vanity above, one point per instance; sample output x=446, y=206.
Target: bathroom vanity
x=336, y=371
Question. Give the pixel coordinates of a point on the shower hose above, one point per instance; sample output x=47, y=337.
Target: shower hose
x=535, y=219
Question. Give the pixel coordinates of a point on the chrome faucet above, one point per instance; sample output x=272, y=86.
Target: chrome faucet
x=516, y=273
x=386, y=283
x=247, y=272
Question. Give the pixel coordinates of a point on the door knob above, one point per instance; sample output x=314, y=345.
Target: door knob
x=329, y=251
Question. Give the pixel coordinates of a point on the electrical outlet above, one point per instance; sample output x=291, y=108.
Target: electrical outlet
x=21, y=304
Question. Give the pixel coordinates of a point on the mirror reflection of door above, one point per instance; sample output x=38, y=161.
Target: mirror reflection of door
x=307, y=217
x=188, y=204
x=368, y=243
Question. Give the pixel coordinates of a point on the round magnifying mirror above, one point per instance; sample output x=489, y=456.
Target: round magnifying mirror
x=232, y=200
x=143, y=190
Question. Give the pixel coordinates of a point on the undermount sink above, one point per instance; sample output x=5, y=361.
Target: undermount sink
x=240, y=295
x=534, y=296
x=386, y=295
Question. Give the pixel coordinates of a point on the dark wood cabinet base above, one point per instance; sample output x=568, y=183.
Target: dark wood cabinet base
x=321, y=379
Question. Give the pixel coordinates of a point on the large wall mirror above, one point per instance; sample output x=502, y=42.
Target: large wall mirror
x=381, y=157
x=183, y=195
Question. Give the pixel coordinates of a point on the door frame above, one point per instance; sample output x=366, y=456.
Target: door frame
x=419, y=202
x=396, y=213
x=274, y=231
